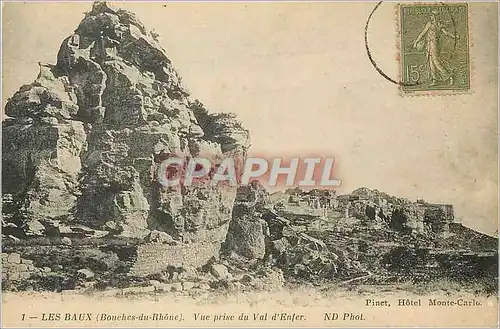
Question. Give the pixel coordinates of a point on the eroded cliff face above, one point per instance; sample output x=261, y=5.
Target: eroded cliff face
x=84, y=140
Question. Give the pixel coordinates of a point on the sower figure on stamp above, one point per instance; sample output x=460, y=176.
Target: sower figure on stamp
x=439, y=69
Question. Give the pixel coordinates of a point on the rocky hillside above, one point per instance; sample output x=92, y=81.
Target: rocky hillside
x=366, y=236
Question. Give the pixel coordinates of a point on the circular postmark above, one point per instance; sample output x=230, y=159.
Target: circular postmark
x=419, y=46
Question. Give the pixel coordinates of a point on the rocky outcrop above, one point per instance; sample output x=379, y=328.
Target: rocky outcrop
x=221, y=128
x=83, y=142
x=41, y=163
x=310, y=234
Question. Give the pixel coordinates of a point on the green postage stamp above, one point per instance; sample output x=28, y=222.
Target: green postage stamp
x=434, y=47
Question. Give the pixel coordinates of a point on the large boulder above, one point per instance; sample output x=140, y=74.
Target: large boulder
x=247, y=233
x=248, y=230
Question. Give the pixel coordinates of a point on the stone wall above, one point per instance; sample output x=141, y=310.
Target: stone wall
x=156, y=257
x=15, y=268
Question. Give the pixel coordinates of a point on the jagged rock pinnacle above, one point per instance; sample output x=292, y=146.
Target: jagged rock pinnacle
x=85, y=138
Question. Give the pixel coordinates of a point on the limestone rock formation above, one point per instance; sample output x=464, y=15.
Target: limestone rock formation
x=84, y=140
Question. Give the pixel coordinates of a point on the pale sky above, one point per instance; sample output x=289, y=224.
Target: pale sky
x=298, y=77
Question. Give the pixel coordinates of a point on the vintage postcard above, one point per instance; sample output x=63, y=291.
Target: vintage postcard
x=249, y=164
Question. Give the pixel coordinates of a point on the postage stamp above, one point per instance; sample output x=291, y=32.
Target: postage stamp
x=434, y=47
